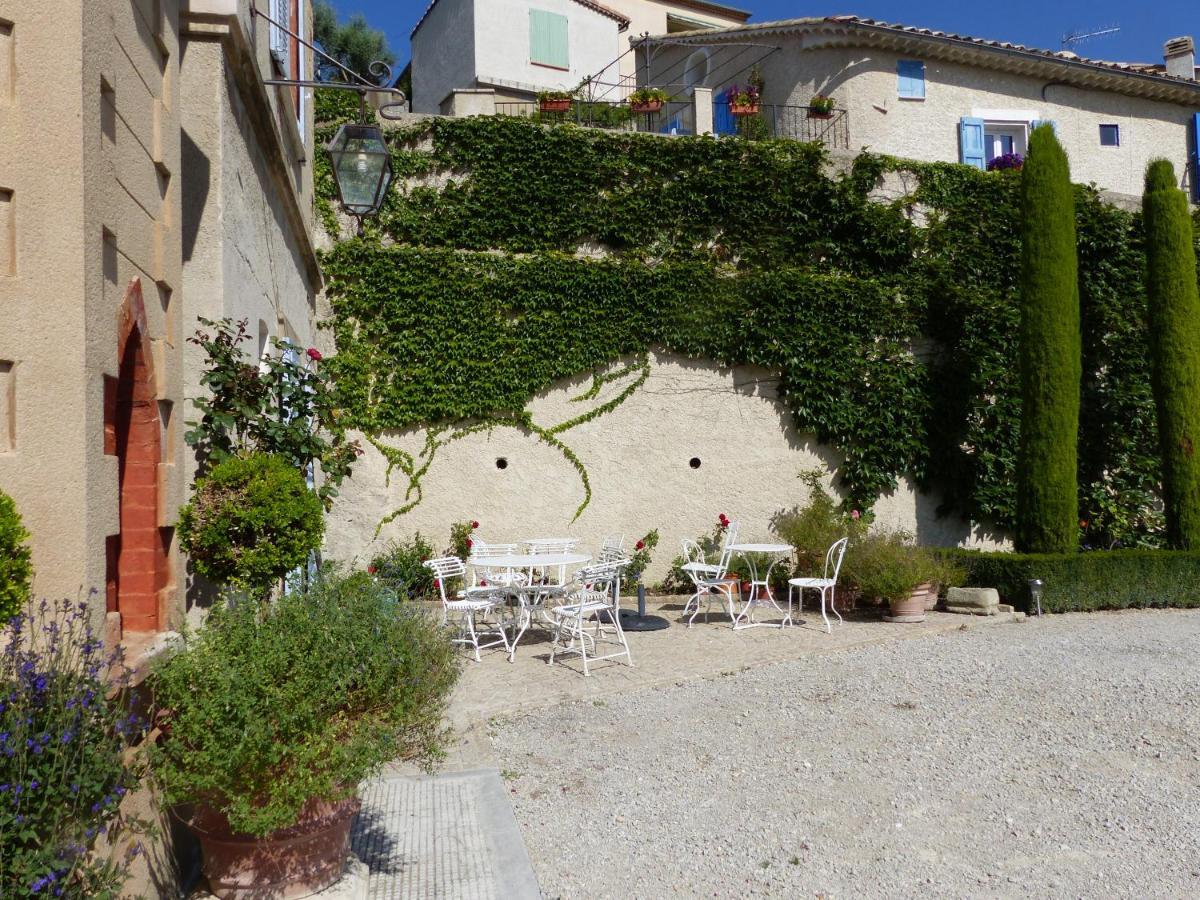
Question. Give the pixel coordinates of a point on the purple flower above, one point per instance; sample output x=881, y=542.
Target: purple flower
x=1006, y=161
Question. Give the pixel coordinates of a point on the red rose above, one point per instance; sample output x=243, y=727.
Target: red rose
x=640, y=545
x=371, y=570
x=314, y=354
x=483, y=582
x=437, y=582
x=474, y=524
x=1083, y=523
x=470, y=543
x=722, y=519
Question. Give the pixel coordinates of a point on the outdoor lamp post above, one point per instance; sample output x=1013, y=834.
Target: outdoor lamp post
x=1035, y=594
x=362, y=168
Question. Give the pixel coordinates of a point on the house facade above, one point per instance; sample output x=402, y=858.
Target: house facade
x=148, y=176
x=937, y=97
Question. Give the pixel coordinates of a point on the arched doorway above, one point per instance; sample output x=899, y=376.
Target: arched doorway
x=138, y=562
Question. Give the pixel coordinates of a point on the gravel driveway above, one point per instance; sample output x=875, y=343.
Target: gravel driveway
x=1051, y=758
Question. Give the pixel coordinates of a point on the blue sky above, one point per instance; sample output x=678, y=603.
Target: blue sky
x=1144, y=26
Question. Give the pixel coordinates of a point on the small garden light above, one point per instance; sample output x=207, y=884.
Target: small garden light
x=1035, y=594
x=362, y=168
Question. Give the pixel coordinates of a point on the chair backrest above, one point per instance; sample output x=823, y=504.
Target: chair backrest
x=693, y=553
x=445, y=568
x=552, y=545
x=731, y=532
x=601, y=577
x=481, y=551
x=483, y=548
x=612, y=548
x=833, y=556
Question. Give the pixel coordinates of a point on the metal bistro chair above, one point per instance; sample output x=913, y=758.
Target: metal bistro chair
x=553, y=545
x=472, y=605
x=709, y=578
x=613, y=548
x=481, y=572
x=590, y=593
x=826, y=584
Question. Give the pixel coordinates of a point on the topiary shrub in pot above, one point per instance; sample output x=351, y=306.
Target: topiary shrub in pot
x=274, y=713
x=16, y=570
x=252, y=520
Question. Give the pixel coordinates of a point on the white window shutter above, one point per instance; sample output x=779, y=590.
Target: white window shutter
x=280, y=42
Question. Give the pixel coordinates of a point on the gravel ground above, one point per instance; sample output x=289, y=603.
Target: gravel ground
x=1051, y=758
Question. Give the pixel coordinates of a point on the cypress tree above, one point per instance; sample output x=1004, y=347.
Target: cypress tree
x=1050, y=352
x=1174, y=317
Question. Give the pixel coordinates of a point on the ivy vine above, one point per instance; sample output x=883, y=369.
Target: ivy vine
x=511, y=256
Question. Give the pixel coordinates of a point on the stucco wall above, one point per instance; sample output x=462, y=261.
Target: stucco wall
x=502, y=42
x=863, y=81
x=443, y=54
x=650, y=17
x=638, y=461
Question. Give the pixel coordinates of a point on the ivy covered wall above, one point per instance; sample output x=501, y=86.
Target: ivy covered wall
x=512, y=256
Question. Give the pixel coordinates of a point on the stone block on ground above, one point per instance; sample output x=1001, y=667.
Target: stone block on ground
x=972, y=598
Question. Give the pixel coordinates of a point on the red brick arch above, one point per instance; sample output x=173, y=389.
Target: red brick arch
x=138, y=567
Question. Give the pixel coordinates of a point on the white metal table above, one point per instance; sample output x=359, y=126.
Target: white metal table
x=777, y=552
x=531, y=596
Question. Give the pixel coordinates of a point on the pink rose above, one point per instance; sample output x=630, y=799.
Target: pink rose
x=854, y=513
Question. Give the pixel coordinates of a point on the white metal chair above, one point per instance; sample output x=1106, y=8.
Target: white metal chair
x=481, y=552
x=709, y=578
x=589, y=595
x=612, y=548
x=554, y=545
x=472, y=605
x=826, y=584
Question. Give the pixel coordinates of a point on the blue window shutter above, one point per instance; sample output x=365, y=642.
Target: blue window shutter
x=970, y=143
x=1196, y=157
x=548, y=39
x=910, y=78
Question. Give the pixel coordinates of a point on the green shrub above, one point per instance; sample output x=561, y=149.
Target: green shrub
x=399, y=566
x=814, y=527
x=889, y=566
x=1049, y=352
x=270, y=706
x=1098, y=579
x=16, y=570
x=252, y=520
x=1174, y=308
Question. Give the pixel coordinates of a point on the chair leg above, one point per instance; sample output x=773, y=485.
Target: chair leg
x=828, y=628
x=470, y=622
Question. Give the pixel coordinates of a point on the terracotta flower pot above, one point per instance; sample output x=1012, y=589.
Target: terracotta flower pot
x=554, y=105
x=645, y=106
x=291, y=862
x=928, y=594
x=744, y=109
x=819, y=114
x=910, y=609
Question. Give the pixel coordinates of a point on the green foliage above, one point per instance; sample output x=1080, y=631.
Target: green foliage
x=1049, y=352
x=677, y=580
x=465, y=299
x=640, y=558
x=649, y=95
x=814, y=527
x=285, y=405
x=355, y=44
x=270, y=706
x=1079, y=582
x=400, y=565
x=1174, y=307
x=251, y=520
x=65, y=733
x=889, y=566
x=16, y=569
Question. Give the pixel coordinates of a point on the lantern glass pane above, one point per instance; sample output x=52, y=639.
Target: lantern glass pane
x=361, y=166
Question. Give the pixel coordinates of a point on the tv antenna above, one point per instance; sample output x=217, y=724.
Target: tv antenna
x=1073, y=39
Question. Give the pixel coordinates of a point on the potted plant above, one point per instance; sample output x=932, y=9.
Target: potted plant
x=890, y=567
x=1006, y=161
x=274, y=713
x=820, y=107
x=812, y=529
x=554, y=101
x=744, y=101
x=648, y=100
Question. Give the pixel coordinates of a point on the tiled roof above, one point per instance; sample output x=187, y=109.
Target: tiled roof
x=1155, y=71
x=590, y=4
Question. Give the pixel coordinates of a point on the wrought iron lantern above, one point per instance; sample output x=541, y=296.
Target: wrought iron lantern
x=362, y=168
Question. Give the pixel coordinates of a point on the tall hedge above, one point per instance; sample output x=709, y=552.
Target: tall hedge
x=1174, y=316
x=1049, y=352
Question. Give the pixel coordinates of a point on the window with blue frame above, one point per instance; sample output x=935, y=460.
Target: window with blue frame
x=910, y=79
x=1110, y=135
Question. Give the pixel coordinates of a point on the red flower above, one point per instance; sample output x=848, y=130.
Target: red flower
x=1083, y=523
x=437, y=582
x=483, y=582
x=640, y=545
x=314, y=354
x=470, y=543
x=371, y=570
x=474, y=524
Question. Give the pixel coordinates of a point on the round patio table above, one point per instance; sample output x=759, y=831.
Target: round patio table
x=745, y=619
x=531, y=598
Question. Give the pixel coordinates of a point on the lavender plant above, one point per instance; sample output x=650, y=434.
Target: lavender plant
x=64, y=732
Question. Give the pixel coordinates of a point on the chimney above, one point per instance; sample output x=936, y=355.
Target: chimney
x=1180, y=56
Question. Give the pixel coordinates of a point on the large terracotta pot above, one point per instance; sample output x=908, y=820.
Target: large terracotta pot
x=928, y=594
x=910, y=609
x=645, y=106
x=288, y=863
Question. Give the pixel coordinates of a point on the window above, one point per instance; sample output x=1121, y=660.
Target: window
x=910, y=79
x=281, y=13
x=1001, y=138
x=1110, y=135
x=548, y=39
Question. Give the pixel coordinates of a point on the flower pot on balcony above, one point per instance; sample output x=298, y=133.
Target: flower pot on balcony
x=291, y=862
x=554, y=105
x=820, y=114
x=743, y=109
x=645, y=106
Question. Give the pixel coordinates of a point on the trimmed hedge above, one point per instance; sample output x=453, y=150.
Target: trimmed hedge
x=1080, y=582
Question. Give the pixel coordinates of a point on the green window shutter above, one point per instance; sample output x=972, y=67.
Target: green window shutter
x=548, y=39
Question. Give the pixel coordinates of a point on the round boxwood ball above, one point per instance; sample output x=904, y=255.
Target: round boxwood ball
x=251, y=521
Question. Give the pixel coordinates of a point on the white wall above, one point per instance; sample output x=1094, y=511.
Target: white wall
x=502, y=46
x=443, y=54
x=637, y=458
